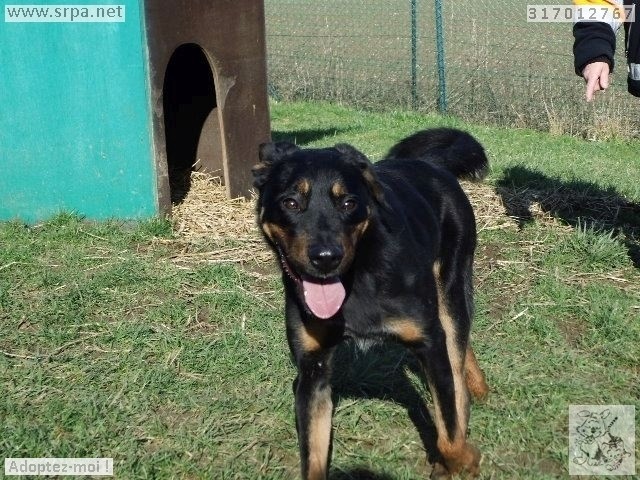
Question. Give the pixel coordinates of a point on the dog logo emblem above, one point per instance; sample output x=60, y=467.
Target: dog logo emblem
x=602, y=440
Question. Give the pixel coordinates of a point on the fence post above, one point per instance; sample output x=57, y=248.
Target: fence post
x=414, y=53
x=442, y=81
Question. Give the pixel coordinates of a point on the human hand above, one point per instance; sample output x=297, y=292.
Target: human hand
x=596, y=75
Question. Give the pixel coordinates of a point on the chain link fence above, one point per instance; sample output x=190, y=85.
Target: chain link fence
x=496, y=68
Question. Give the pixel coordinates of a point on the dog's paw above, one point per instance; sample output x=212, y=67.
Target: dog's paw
x=465, y=464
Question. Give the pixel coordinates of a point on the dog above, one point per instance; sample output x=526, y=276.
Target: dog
x=376, y=252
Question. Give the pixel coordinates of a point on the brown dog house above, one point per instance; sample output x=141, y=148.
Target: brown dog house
x=207, y=68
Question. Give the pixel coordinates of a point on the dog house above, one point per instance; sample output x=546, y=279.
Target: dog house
x=106, y=117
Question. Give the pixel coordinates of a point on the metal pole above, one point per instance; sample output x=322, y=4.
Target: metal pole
x=442, y=81
x=414, y=53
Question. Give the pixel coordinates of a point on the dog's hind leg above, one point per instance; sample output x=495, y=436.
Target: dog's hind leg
x=445, y=367
x=455, y=294
x=443, y=363
x=474, y=376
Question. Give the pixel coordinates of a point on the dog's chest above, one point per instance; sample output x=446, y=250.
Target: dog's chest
x=366, y=320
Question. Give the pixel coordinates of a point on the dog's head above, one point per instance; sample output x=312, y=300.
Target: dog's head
x=314, y=206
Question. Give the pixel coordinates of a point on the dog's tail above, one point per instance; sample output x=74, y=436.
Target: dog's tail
x=453, y=150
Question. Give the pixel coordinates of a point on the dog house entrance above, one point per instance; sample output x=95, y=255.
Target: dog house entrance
x=191, y=119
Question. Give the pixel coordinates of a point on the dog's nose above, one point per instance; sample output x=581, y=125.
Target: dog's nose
x=326, y=258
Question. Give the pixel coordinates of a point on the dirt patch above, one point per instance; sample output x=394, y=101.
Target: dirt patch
x=546, y=466
x=572, y=330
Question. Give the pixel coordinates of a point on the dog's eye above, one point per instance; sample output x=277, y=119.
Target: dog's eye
x=291, y=204
x=348, y=204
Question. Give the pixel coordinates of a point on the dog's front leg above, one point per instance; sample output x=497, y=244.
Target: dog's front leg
x=314, y=410
x=312, y=343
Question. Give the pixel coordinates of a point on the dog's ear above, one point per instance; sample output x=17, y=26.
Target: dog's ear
x=359, y=159
x=269, y=153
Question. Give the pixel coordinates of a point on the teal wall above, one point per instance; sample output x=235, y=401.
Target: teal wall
x=75, y=122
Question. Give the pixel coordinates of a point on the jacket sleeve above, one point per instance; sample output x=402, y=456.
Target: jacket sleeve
x=594, y=41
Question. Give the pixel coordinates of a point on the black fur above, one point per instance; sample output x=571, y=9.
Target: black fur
x=403, y=233
x=454, y=150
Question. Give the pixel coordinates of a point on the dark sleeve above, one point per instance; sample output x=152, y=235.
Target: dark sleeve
x=593, y=41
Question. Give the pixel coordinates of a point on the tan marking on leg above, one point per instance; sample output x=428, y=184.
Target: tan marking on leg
x=458, y=454
x=456, y=357
x=311, y=338
x=406, y=329
x=474, y=376
x=320, y=434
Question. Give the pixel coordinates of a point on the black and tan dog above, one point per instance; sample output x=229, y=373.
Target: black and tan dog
x=376, y=252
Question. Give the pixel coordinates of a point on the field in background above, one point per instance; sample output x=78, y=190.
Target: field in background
x=162, y=345
x=500, y=69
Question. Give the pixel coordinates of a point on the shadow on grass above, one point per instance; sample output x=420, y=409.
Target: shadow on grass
x=381, y=373
x=577, y=203
x=358, y=474
x=304, y=137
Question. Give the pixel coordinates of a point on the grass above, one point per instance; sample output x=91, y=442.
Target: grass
x=499, y=68
x=113, y=344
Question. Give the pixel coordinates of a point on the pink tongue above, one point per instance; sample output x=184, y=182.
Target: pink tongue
x=324, y=299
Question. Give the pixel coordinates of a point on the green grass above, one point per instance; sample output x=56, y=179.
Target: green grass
x=498, y=68
x=108, y=347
